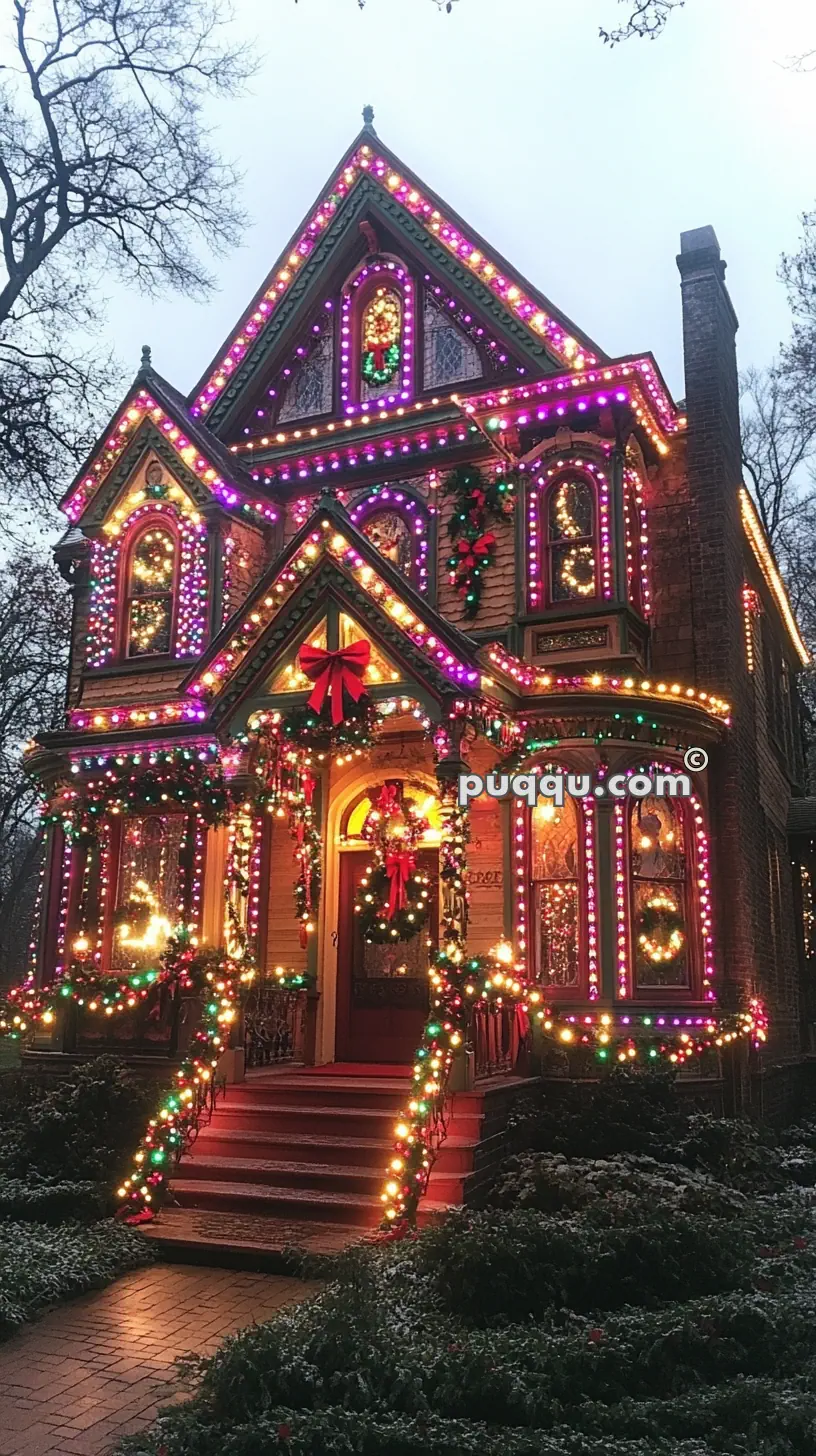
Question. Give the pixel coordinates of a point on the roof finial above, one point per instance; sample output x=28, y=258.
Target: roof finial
x=368, y=117
x=146, y=356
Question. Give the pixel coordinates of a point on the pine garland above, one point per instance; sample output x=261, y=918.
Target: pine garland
x=478, y=499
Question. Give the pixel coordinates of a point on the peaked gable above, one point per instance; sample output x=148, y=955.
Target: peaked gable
x=372, y=176
x=329, y=555
x=154, y=417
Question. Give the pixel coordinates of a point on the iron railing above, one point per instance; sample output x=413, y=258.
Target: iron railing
x=274, y=1025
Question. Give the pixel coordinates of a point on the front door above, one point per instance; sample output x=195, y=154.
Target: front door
x=382, y=990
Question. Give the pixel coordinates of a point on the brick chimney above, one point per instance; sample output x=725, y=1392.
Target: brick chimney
x=713, y=459
x=716, y=565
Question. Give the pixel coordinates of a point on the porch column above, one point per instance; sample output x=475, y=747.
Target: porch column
x=605, y=899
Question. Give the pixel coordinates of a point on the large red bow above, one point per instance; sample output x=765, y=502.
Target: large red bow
x=399, y=868
x=334, y=672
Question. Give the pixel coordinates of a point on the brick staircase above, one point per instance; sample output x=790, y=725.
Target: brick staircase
x=298, y=1145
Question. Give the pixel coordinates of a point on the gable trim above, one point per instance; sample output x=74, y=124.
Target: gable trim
x=439, y=231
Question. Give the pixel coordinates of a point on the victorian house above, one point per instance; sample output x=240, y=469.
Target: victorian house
x=414, y=523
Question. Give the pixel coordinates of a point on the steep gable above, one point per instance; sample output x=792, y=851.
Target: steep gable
x=373, y=187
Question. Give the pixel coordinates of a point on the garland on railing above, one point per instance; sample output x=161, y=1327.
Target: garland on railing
x=671, y=1036
x=478, y=499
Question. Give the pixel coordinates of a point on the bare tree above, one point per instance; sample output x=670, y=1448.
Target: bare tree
x=779, y=458
x=106, y=169
x=647, y=19
x=35, y=624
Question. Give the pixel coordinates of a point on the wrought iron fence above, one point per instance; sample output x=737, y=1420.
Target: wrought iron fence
x=499, y=1036
x=274, y=1025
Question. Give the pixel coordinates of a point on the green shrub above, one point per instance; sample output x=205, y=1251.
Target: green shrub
x=44, y=1200
x=84, y=1128
x=553, y=1183
x=40, y=1265
x=513, y=1265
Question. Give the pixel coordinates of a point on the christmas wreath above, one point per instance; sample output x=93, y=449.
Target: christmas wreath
x=661, y=930
x=393, y=897
x=478, y=499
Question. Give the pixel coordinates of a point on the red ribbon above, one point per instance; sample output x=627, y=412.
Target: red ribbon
x=333, y=673
x=399, y=868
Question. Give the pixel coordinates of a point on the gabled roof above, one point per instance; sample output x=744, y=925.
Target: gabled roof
x=330, y=555
x=155, y=414
x=371, y=173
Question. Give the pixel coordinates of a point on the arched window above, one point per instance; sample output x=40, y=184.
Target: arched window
x=660, y=895
x=571, y=539
x=391, y=536
x=147, y=889
x=557, y=897
x=151, y=579
x=380, y=340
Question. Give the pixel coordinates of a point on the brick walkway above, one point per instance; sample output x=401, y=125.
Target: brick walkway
x=97, y=1369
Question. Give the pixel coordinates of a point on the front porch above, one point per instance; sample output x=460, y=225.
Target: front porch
x=293, y=1156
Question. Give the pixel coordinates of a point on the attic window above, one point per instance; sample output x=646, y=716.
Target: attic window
x=310, y=391
x=450, y=357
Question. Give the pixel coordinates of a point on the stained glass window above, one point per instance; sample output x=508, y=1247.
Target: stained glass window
x=555, y=872
x=310, y=391
x=571, y=534
x=391, y=536
x=449, y=355
x=146, y=907
x=380, y=351
x=150, y=595
x=659, y=895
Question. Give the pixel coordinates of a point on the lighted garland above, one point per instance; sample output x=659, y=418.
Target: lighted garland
x=672, y=1037
x=223, y=982
x=131, y=783
x=478, y=499
x=391, y=903
x=311, y=729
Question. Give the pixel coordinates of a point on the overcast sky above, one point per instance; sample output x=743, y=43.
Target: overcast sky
x=580, y=164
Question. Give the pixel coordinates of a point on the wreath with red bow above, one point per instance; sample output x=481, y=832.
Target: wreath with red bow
x=478, y=500
x=393, y=898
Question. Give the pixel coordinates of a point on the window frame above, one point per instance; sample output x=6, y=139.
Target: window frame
x=580, y=991
x=152, y=523
x=692, y=990
x=552, y=545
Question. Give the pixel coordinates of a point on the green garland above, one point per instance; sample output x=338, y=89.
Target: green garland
x=478, y=499
x=133, y=783
x=308, y=729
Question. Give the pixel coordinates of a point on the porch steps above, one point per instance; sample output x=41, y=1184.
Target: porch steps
x=294, y=1146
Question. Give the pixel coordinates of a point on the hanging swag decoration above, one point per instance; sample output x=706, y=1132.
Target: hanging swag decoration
x=392, y=900
x=478, y=499
x=382, y=326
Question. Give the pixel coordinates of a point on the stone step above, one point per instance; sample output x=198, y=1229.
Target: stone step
x=311, y=1177
x=354, y=1209
x=456, y=1155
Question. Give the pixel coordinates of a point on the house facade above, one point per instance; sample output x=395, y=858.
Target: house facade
x=413, y=524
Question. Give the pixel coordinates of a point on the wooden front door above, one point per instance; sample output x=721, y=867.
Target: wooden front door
x=382, y=990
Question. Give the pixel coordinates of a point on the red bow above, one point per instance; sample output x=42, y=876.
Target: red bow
x=399, y=868
x=334, y=672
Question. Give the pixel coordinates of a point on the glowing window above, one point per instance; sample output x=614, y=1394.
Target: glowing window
x=571, y=538
x=427, y=803
x=659, y=895
x=555, y=872
x=151, y=579
x=146, y=907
